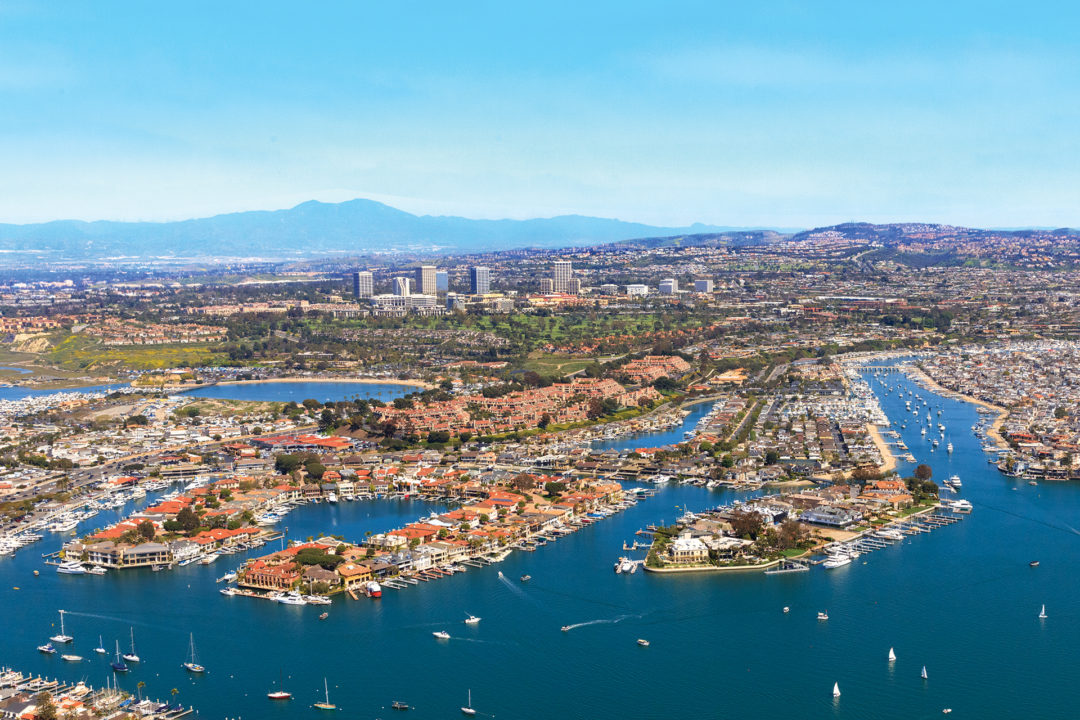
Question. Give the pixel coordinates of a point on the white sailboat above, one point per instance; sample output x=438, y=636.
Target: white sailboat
x=836, y=690
x=62, y=637
x=468, y=709
x=1042, y=613
x=892, y=655
x=326, y=704
x=132, y=656
x=192, y=664
x=923, y=674
x=100, y=649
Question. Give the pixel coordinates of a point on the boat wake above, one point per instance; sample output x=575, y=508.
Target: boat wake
x=110, y=618
x=601, y=621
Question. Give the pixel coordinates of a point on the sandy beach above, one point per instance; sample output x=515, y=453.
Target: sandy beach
x=888, y=459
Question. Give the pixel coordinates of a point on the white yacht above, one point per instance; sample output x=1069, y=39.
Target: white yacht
x=441, y=635
x=837, y=560
x=71, y=567
x=291, y=598
x=472, y=620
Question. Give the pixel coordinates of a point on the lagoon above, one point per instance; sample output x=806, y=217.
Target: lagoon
x=961, y=600
x=300, y=390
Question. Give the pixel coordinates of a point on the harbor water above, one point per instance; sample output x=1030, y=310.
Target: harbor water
x=323, y=391
x=961, y=601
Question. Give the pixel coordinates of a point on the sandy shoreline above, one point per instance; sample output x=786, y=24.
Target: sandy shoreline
x=994, y=433
x=888, y=459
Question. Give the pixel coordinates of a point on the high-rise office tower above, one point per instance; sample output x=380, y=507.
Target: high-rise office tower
x=479, y=280
x=363, y=284
x=425, y=280
x=573, y=286
x=547, y=285
x=401, y=286
x=563, y=273
x=669, y=286
x=442, y=281
x=703, y=286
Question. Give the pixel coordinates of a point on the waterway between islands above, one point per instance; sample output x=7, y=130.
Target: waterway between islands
x=962, y=601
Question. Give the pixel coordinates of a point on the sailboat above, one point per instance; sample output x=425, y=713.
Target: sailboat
x=62, y=637
x=131, y=656
x=192, y=664
x=1042, y=613
x=325, y=705
x=836, y=689
x=280, y=693
x=923, y=674
x=119, y=665
x=100, y=649
x=468, y=709
x=892, y=655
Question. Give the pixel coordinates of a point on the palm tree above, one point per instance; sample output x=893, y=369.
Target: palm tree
x=140, y=686
x=174, y=692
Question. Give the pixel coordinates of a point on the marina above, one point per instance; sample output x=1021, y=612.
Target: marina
x=871, y=607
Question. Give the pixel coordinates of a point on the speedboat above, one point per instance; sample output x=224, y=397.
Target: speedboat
x=373, y=589
x=71, y=658
x=398, y=705
x=643, y=642
x=441, y=635
x=472, y=620
x=47, y=648
x=526, y=578
x=823, y=615
x=566, y=628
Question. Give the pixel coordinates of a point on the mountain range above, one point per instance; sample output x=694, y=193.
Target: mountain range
x=314, y=228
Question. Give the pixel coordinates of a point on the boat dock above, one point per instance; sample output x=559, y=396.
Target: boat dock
x=884, y=536
x=105, y=703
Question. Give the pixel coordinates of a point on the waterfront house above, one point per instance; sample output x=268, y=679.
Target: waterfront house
x=687, y=550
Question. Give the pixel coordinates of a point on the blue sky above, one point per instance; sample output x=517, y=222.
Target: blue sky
x=772, y=113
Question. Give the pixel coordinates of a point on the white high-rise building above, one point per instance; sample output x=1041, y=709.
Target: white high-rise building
x=363, y=284
x=563, y=272
x=479, y=280
x=703, y=286
x=402, y=287
x=637, y=289
x=669, y=286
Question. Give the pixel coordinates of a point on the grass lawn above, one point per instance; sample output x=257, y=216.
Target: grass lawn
x=77, y=352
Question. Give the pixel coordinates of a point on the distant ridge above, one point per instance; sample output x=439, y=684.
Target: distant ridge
x=315, y=228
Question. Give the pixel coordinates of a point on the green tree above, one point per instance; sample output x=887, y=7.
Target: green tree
x=924, y=472
x=46, y=708
x=147, y=530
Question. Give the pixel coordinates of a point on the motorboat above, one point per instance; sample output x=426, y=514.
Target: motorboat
x=398, y=705
x=373, y=589
x=955, y=481
x=472, y=620
x=565, y=628
x=71, y=658
x=643, y=642
x=526, y=578
x=824, y=615
x=47, y=648
x=441, y=635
